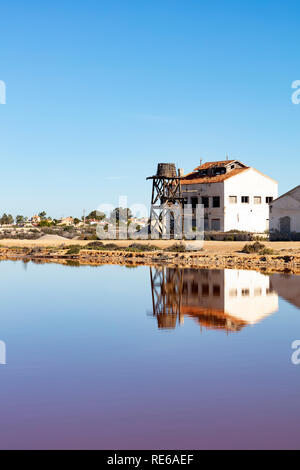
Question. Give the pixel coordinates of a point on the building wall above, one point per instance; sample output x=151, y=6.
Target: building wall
x=244, y=217
x=248, y=217
x=207, y=190
x=286, y=206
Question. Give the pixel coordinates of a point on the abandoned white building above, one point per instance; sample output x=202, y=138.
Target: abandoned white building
x=234, y=196
x=285, y=216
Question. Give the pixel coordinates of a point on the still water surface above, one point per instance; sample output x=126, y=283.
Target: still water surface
x=111, y=357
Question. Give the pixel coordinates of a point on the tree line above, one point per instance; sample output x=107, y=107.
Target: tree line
x=117, y=214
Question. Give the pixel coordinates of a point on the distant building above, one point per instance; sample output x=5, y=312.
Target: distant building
x=234, y=196
x=285, y=216
x=35, y=219
x=66, y=221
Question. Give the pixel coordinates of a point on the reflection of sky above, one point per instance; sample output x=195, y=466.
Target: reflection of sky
x=86, y=368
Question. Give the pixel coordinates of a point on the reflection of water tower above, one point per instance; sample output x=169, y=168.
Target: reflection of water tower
x=166, y=286
x=166, y=199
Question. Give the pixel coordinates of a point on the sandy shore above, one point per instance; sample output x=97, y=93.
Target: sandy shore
x=285, y=256
x=209, y=247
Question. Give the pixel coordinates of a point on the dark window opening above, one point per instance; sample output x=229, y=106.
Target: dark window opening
x=245, y=292
x=205, y=290
x=269, y=199
x=245, y=199
x=194, y=288
x=216, y=201
x=216, y=290
x=216, y=225
x=194, y=201
x=205, y=202
x=219, y=171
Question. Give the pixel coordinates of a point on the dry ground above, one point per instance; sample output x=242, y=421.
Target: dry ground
x=210, y=247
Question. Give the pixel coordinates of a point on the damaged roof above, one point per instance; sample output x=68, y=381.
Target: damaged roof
x=195, y=176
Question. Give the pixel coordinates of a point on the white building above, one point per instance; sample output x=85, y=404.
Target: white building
x=234, y=196
x=285, y=216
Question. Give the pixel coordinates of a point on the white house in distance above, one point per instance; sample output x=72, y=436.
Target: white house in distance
x=285, y=216
x=235, y=196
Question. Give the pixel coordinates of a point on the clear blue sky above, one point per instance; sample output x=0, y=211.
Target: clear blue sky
x=99, y=91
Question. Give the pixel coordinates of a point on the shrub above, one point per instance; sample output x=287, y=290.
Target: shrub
x=111, y=246
x=141, y=247
x=73, y=249
x=229, y=238
x=94, y=245
x=177, y=247
x=257, y=248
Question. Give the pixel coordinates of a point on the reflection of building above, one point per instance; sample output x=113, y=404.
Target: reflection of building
x=288, y=287
x=218, y=299
x=166, y=286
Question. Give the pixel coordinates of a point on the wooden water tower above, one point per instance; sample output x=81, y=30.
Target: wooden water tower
x=166, y=196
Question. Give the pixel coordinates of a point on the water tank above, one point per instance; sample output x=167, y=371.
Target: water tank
x=167, y=170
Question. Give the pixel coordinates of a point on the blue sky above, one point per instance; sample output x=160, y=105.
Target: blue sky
x=100, y=91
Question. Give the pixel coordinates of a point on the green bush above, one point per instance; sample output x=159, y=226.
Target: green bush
x=94, y=245
x=139, y=247
x=73, y=249
x=257, y=248
x=177, y=247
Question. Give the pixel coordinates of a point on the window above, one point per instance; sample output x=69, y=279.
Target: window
x=194, y=288
x=194, y=201
x=233, y=292
x=216, y=225
x=245, y=292
x=219, y=171
x=257, y=199
x=206, y=223
x=269, y=199
x=216, y=290
x=205, y=202
x=205, y=290
x=233, y=199
x=245, y=199
x=257, y=291
x=216, y=201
